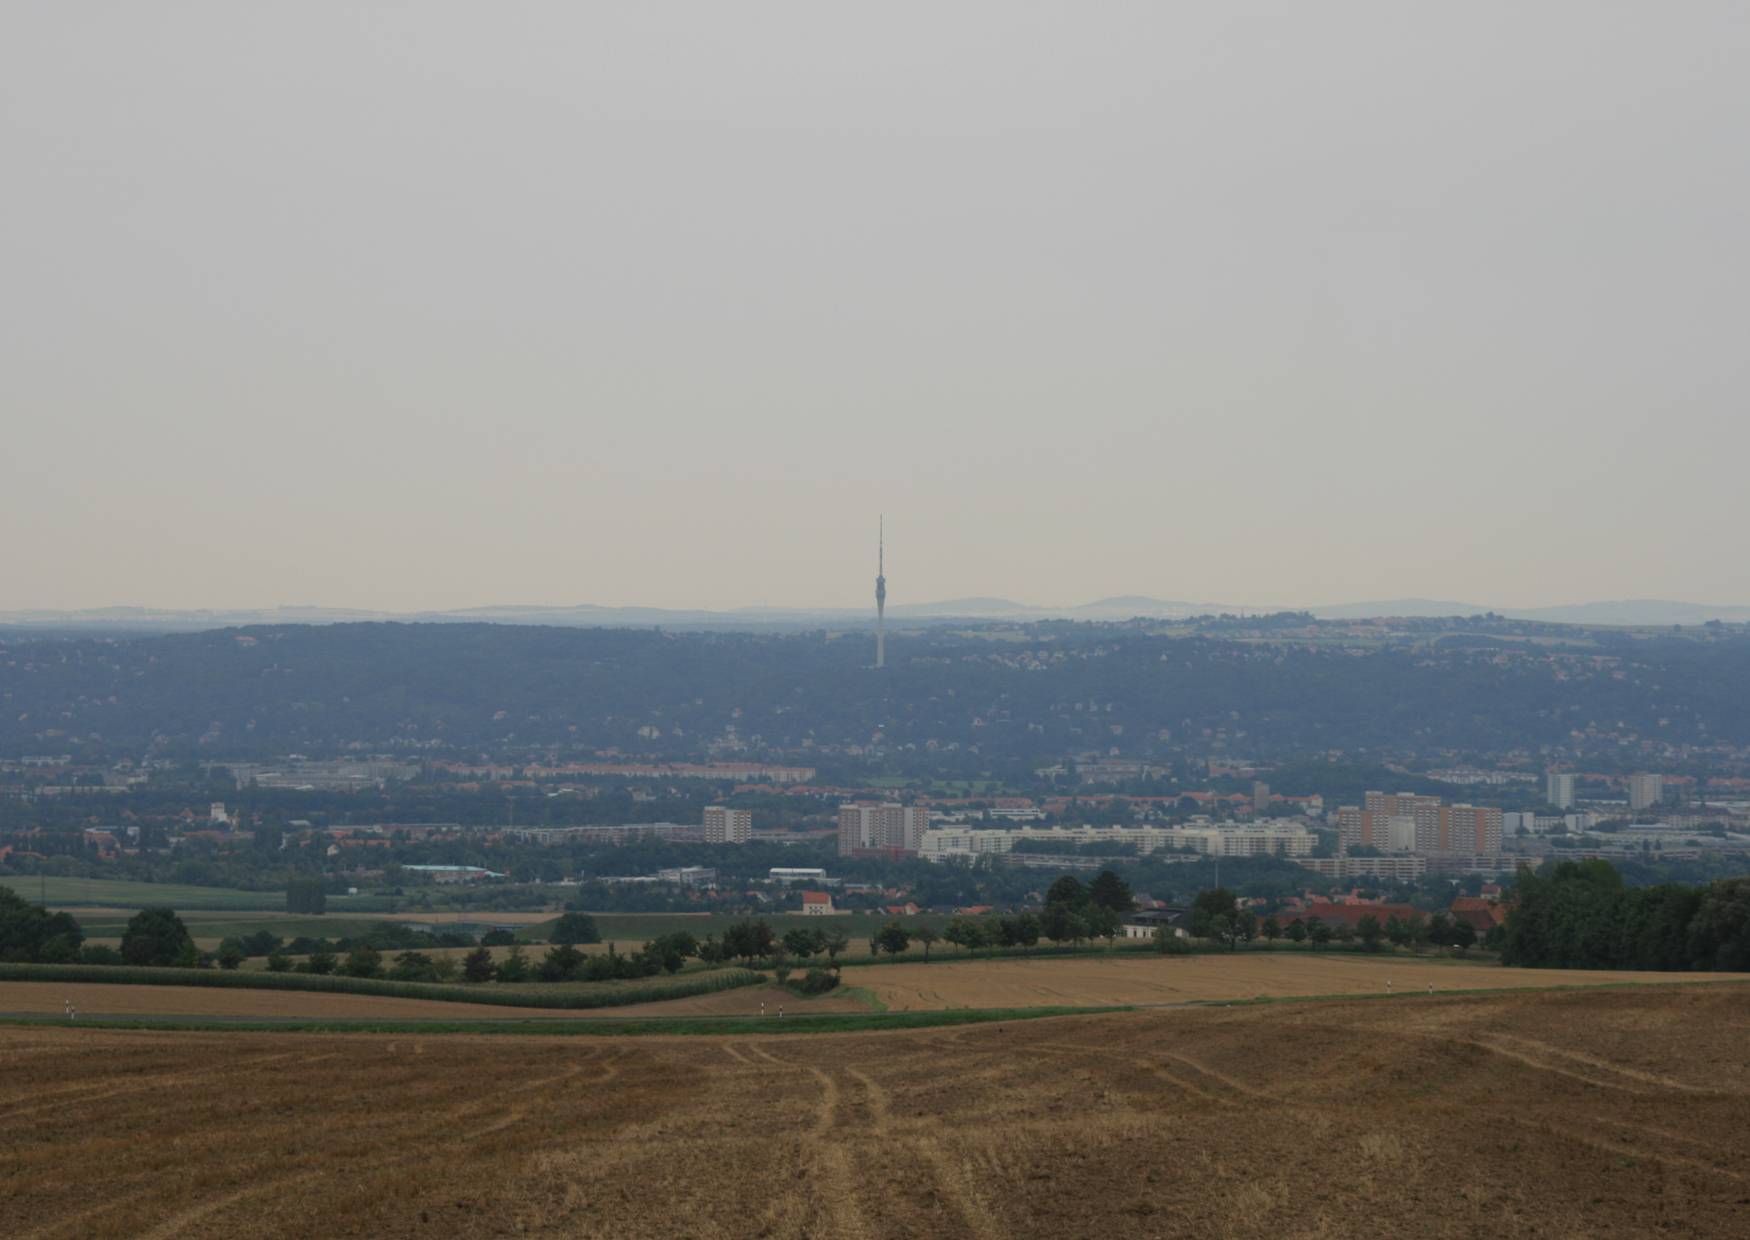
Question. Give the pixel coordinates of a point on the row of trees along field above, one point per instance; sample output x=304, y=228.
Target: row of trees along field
x=1580, y=915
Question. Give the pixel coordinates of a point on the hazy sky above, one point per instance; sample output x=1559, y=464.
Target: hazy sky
x=433, y=304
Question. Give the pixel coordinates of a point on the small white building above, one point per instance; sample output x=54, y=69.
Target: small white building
x=454, y=873
x=817, y=904
x=1143, y=925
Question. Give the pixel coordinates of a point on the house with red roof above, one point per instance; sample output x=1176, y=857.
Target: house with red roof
x=1334, y=915
x=817, y=904
x=1482, y=915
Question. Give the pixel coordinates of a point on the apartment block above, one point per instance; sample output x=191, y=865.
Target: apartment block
x=728, y=826
x=1645, y=791
x=1408, y=823
x=1559, y=789
x=1215, y=840
x=1407, y=868
x=865, y=825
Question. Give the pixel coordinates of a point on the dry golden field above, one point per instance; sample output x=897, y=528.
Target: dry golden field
x=1582, y=1114
x=1059, y=982
x=1091, y=981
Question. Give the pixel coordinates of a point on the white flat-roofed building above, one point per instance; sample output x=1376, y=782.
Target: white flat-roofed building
x=1403, y=867
x=797, y=874
x=1215, y=840
x=454, y=873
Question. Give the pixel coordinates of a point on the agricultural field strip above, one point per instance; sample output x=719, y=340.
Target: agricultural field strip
x=288, y=1009
x=1230, y=979
x=20, y=979
x=1000, y=1126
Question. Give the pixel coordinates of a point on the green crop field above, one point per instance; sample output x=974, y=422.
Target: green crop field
x=619, y=993
x=209, y=928
x=642, y=927
x=123, y=894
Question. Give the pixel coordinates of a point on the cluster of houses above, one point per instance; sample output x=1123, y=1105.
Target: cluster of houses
x=1481, y=912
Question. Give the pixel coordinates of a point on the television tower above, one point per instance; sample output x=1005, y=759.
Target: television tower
x=881, y=594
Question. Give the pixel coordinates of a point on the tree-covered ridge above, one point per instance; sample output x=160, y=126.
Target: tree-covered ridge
x=1040, y=691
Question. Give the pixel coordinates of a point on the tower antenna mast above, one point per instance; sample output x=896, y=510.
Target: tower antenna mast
x=881, y=593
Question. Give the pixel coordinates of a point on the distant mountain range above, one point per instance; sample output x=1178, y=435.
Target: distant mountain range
x=1659, y=612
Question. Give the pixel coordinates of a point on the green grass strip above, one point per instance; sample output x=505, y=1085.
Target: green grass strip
x=714, y=1026
x=863, y=995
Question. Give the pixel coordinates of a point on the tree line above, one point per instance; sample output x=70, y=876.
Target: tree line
x=1580, y=915
x=500, y=688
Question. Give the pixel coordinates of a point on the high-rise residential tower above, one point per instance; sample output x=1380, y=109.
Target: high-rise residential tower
x=1559, y=789
x=1645, y=791
x=892, y=827
x=881, y=594
x=727, y=826
x=1419, y=824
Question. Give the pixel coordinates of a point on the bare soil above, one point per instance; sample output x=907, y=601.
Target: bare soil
x=1581, y=1114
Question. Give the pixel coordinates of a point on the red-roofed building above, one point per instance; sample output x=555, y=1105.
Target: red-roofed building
x=104, y=842
x=817, y=904
x=1481, y=914
x=1350, y=915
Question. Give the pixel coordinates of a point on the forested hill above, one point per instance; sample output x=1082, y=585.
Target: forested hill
x=1014, y=692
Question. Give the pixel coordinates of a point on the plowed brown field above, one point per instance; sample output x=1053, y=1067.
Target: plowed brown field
x=1092, y=981
x=1592, y=1113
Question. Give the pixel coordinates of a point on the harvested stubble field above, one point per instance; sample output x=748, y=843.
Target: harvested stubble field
x=1148, y=978
x=1592, y=1113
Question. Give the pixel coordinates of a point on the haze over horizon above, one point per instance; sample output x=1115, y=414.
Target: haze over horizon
x=434, y=307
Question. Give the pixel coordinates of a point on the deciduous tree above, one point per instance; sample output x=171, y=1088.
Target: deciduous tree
x=478, y=965
x=893, y=938
x=155, y=936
